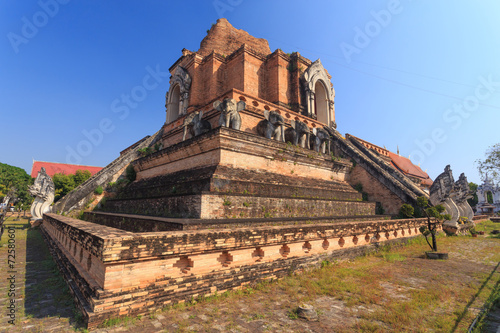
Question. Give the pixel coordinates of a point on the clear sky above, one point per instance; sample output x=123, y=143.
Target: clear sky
x=421, y=75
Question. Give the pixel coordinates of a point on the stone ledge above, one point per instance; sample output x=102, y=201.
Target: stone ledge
x=111, y=244
x=144, y=223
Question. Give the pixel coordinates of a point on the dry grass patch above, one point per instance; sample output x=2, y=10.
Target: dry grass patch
x=393, y=290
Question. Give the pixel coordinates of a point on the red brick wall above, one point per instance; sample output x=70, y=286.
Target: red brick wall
x=225, y=39
x=142, y=272
x=236, y=148
x=252, y=74
x=376, y=190
x=274, y=79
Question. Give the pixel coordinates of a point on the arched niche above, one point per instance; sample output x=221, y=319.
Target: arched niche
x=484, y=189
x=173, y=103
x=177, y=98
x=320, y=94
x=488, y=197
x=321, y=102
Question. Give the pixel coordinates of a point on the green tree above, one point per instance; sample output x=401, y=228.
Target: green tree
x=66, y=183
x=491, y=164
x=81, y=176
x=15, y=181
x=435, y=212
x=489, y=197
x=473, y=189
x=63, y=184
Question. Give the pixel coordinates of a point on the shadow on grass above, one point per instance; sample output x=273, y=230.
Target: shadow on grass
x=464, y=312
x=46, y=292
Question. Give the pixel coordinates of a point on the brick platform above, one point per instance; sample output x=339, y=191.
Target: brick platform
x=233, y=174
x=114, y=272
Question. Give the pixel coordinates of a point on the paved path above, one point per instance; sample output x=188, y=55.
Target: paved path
x=41, y=301
x=493, y=321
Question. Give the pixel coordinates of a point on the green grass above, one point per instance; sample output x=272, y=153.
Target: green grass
x=31, y=242
x=492, y=302
x=124, y=321
x=488, y=227
x=392, y=257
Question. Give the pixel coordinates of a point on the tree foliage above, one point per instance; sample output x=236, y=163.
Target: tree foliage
x=65, y=183
x=430, y=212
x=15, y=181
x=406, y=211
x=491, y=164
x=473, y=189
x=130, y=173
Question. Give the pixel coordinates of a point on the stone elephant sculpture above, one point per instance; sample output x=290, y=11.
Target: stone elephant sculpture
x=273, y=127
x=230, y=112
x=195, y=124
x=299, y=133
x=321, y=140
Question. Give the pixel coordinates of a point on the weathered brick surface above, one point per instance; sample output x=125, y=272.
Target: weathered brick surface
x=251, y=116
x=132, y=274
x=242, y=206
x=225, y=39
x=228, y=173
x=244, y=150
x=142, y=223
x=222, y=179
x=393, y=180
x=228, y=205
x=376, y=190
x=78, y=197
x=186, y=206
x=246, y=65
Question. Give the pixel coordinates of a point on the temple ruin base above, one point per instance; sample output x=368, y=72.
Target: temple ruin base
x=115, y=273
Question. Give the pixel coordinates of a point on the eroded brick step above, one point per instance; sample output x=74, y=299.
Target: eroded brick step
x=144, y=223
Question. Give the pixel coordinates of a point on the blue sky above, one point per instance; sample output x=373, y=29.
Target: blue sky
x=421, y=75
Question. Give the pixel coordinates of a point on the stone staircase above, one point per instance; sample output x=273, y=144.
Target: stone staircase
x=396, y=182
x=78, y=197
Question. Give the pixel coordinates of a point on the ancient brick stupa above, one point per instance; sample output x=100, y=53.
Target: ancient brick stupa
x=220, y=151
x=248, y=179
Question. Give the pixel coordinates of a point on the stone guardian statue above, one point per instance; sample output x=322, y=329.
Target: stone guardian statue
x=195, y=124
x=43, y=190
x=273, y=126
x=464, y=193
x=299, y=134
x=230, y=112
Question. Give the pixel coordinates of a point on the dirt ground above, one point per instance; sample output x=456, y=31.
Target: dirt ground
x=395, y=290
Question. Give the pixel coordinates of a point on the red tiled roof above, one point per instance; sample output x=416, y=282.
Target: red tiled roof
x=408, y=168
x=53, y=168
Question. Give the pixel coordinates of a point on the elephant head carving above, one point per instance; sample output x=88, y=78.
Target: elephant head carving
x=195, y=124
x=321, y=140
x=273, y=126
x=299, y=133
x=230, y=112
